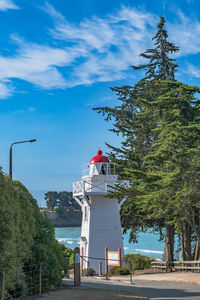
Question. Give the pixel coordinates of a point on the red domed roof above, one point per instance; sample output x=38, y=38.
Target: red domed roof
x=99, y=158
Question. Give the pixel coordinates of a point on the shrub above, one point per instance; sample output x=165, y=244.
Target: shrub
x=138, y=261
x=27, y=240
x=88, y=272
x=69, y=255
x=118, y=271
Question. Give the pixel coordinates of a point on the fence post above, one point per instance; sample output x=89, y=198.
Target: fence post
x=106, y=262
x=77, y=277
x=120, y=257
x=131, y=271
x=106, y=259
x=40, y=279
x=100, y=267
x=3, y=285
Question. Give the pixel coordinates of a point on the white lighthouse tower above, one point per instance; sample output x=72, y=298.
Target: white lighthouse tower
x=101, y=224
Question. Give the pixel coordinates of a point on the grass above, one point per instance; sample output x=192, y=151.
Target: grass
x=90, y=294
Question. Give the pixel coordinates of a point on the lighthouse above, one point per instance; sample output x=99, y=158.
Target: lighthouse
x=101, y=225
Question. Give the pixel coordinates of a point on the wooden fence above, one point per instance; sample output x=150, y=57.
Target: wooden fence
x=193, y=265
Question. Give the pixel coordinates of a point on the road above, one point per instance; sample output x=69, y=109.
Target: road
x=153, y=290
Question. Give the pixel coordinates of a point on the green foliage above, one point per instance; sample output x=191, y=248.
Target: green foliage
x=138, y=261
x=71, y=259
x=51, y=199
x=66, y=200
x=67, y=211
x=26, y=238
x=160, y=66
x=117, y=271
x=69, y=255
x=88, y=272
x=61, y=200
x=47, y=251
x=17, y=228
x=158, y=119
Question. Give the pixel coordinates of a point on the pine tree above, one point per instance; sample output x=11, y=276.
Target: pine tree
x=133, y=119
x=143, y=118
x=160, y=66
x=173, y=162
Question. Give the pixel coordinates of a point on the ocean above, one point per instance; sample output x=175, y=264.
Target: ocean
x=148, y=243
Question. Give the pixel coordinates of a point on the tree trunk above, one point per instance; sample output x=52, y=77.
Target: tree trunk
x=195, y=225
x=169, y=244
x=182, y=247
x=196, y=251
x=186, y=243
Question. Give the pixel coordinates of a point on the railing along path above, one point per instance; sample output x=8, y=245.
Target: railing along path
x=187, y=265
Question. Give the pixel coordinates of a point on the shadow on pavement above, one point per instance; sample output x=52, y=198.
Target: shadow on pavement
x=149, y=289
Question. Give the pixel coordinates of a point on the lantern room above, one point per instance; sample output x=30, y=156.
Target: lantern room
x=99, y=165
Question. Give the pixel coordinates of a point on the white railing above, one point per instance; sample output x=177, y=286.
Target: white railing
x=78, y=187
x=94, y=168
x=97, y=186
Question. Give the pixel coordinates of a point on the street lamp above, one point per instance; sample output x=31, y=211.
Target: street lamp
x=10, y=156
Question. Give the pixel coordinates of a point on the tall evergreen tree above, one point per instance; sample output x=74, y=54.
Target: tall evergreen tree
x=160, y=66
x=167, y=167
x=146, y=112
x=131, y=119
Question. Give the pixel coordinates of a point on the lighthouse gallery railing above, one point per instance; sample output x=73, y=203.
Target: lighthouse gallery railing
x=97, y=186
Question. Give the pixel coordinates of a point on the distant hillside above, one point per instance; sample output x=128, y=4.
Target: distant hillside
x=62, y=217
x=62, y=210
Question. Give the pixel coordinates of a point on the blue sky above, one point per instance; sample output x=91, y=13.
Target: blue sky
x=58, y=59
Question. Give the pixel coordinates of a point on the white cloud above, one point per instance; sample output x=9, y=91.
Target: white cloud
x=7, y=4
x=137, y=19
x=193, y=71
x=106, y=46
x=185, y=33
x=31, y=109
x=112, y=44
x=35, y=64
x=96, y=50
x=22, y=111
x=48, y=8
x=100, y=100
x=6, y=90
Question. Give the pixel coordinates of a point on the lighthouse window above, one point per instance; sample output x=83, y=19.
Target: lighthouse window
x=103, y=169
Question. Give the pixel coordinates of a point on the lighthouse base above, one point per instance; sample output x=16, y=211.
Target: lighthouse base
x=102, y=228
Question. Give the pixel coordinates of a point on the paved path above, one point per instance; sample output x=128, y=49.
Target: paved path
x=154, y=290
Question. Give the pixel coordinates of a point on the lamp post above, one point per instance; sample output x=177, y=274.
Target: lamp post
x=10, y=153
